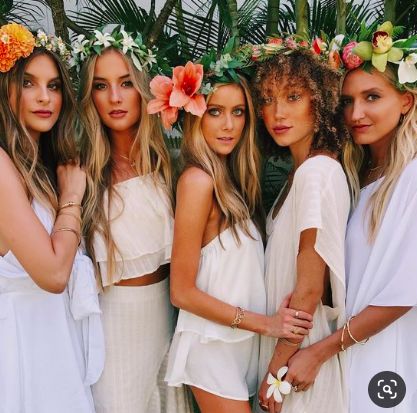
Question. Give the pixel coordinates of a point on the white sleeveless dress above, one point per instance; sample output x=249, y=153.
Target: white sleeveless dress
x=318, y=198
x=51, y=345
x=138, y=321
x=211, y=356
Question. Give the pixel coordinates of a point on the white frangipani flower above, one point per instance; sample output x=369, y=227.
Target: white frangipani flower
x=277, y=386
x=336, y=43
x=103, y=39
x=407, y=71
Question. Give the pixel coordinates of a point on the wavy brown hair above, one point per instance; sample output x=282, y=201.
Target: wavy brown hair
x=148, y=152
x=302, y=69
x=37, y=161
x=236, y=182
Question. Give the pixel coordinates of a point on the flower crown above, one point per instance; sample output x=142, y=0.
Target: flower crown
x=189, y=83
x=16, y=42
x=130, y=44
x=374, y=49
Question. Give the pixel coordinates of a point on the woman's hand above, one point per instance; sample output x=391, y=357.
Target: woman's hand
x=71, y=182
x=303, y=368
x=288, y=323
x=267, y=405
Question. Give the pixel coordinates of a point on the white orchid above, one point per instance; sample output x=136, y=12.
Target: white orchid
x=151, y=58
x=127, y=42
x=277, y=387
x=79, y=44
x=103, y=39
x=407, y=71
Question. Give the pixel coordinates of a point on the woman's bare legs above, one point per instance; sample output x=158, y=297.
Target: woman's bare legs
x=210, y=403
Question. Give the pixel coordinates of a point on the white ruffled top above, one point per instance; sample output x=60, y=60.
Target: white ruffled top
x=233, y=273
x=141, y=224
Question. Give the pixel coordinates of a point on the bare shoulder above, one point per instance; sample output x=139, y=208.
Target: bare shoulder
x=196, y=179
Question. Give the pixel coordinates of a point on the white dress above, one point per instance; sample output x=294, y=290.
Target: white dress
x=211, y=356
x=318, y=198
x=51, y=345
x=138, y=321
x=384, y=273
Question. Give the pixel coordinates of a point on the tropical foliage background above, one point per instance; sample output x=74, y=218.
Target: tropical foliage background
x=185, y=29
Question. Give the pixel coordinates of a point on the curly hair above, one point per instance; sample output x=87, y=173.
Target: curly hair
x=302, y=69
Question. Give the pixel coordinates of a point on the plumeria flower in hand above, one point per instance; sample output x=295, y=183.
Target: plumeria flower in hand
x=407, y=71
x=277, y=386
x=103, y=39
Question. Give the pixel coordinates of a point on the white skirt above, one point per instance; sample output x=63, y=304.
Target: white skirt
x=226, y=369
x=138, y=325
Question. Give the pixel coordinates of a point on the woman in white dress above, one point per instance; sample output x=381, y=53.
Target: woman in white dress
x=129, y=229
x=217, y=277
x=52, y=346
x=298, y=100
x=381, y=268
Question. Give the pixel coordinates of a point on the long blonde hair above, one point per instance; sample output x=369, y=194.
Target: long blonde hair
x=148, y=152
x=236, y=182
x=37, y=161
x=402, y=149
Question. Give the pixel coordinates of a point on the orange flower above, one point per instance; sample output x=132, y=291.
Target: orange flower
x=187, y=80
x=7, y=60
x=15, y=42
x=161, y=88
x=334, y=60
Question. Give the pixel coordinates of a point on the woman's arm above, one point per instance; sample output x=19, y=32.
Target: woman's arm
x=194, y=203
x=304, y=366
x=47, y=259
x=307, y=294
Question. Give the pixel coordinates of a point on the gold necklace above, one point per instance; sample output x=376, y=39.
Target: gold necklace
x=132, y=164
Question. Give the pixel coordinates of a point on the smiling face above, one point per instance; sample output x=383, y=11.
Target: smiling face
x=117, y=101
x=287, y=113
x=41, y=97
x=224, y=120
x=372, y=107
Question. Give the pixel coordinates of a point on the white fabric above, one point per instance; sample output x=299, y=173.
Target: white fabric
x=227, y=365
x=384, y=274
x=141, y=226
x=318, y=198
x=51, y=345
x=138, y=326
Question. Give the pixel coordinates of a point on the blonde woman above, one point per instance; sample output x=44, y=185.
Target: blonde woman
x=217, y=276
x=380, y=109
x=128, y=228
x=51, y=338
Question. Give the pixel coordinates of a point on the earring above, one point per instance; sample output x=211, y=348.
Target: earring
x=402, y=116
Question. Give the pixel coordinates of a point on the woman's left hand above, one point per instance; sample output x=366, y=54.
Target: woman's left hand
x=303, y=368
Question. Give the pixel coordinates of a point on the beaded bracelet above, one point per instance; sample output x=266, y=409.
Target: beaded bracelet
x=240, y=314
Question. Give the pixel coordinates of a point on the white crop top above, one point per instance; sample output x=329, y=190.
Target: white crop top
x=141, y=224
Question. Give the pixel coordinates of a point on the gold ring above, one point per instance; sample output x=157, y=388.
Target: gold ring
x=296, y=314
x=295, y=388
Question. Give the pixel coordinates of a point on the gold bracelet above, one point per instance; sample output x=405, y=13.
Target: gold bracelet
x=70, y=204
x=353, y=338
x=69, y=230
x=240, y=314
x=71, y=215
x=342, y=344
x=288, y=343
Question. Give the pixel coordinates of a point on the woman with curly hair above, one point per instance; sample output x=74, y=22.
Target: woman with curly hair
x=298, y=101
x=52, y=346
x=381, y=268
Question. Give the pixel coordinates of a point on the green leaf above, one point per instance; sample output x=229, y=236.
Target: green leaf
x=97, y=49
x=229, y=46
